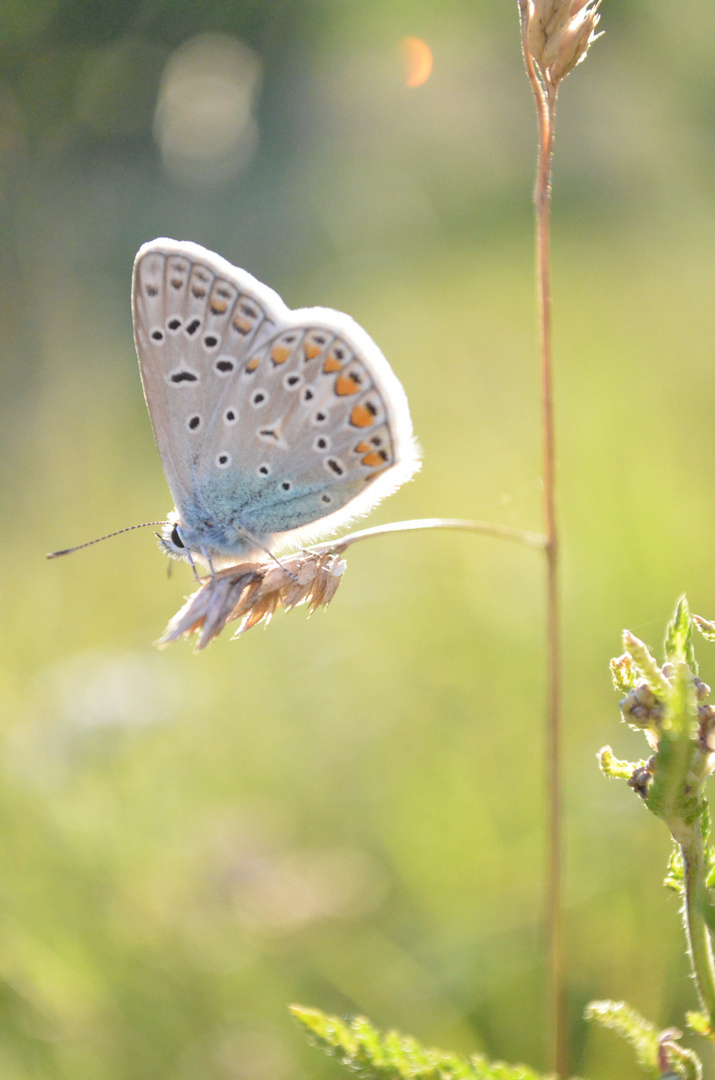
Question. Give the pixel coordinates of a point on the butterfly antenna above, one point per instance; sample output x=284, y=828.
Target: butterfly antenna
x=129, y=528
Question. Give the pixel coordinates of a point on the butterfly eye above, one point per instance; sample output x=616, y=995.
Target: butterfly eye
x=175, y=538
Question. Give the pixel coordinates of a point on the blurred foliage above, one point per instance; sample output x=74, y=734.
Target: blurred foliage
x=653, y=1048
x=348, y=810
x=374, y=1054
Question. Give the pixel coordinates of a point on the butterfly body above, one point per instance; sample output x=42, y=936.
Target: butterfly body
x=274, y=426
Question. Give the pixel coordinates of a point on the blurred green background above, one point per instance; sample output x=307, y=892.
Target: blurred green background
x=348, y=811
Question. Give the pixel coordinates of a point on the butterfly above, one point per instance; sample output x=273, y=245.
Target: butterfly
x=274, y=427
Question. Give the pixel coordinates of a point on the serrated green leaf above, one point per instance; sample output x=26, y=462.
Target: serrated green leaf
x=378, y=1055
x=623, y=673
x=613, y=767
x=679, y=636
x=674, y=874
x=709, y=850
x=647, y=1041
x=646, y=664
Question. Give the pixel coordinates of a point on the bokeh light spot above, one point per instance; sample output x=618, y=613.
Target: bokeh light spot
x=417, y=58
x=204, y=122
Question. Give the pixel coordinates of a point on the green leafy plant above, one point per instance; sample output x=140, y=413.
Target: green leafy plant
x=668, y=703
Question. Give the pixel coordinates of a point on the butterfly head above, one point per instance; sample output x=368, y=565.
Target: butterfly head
x=215, y=547
x=170, y=540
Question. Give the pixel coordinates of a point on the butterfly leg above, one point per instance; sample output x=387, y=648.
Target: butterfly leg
x=269, y=553
x=192, y=564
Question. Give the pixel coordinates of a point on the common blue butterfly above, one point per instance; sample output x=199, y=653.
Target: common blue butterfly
x=274, y=427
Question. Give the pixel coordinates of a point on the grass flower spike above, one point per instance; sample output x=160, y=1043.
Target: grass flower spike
x=252, y=592
x=557, y=34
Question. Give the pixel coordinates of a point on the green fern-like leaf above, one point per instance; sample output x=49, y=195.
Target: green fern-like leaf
x=630, y=1025
x=653, y=1047
x=378, y=1055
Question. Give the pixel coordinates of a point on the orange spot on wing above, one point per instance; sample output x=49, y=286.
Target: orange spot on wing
x=280, y=353
x=363, y=448
x=374, y=460
x=219, y=307
x=331, y=364
x=252, y=364
x=346, y=384
x=311, y=350
x=361, y=417
x=242, y=325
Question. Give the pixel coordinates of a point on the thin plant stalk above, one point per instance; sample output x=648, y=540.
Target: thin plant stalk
x=555, y=37
x=545, y=99
x=696, y=930
x=487, y=528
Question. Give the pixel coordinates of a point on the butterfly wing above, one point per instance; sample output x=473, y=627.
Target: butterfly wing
x=190, y=309
x=271, y=424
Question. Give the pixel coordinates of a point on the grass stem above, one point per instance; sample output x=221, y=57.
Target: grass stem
x=557, y=1041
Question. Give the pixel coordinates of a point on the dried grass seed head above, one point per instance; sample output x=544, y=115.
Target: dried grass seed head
x=558, y=33
x=253, y=592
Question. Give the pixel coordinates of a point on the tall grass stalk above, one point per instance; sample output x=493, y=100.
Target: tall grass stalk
x=556, y=1054
x=555, y=36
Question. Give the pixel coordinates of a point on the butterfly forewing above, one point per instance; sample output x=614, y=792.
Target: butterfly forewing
x=192, y=326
